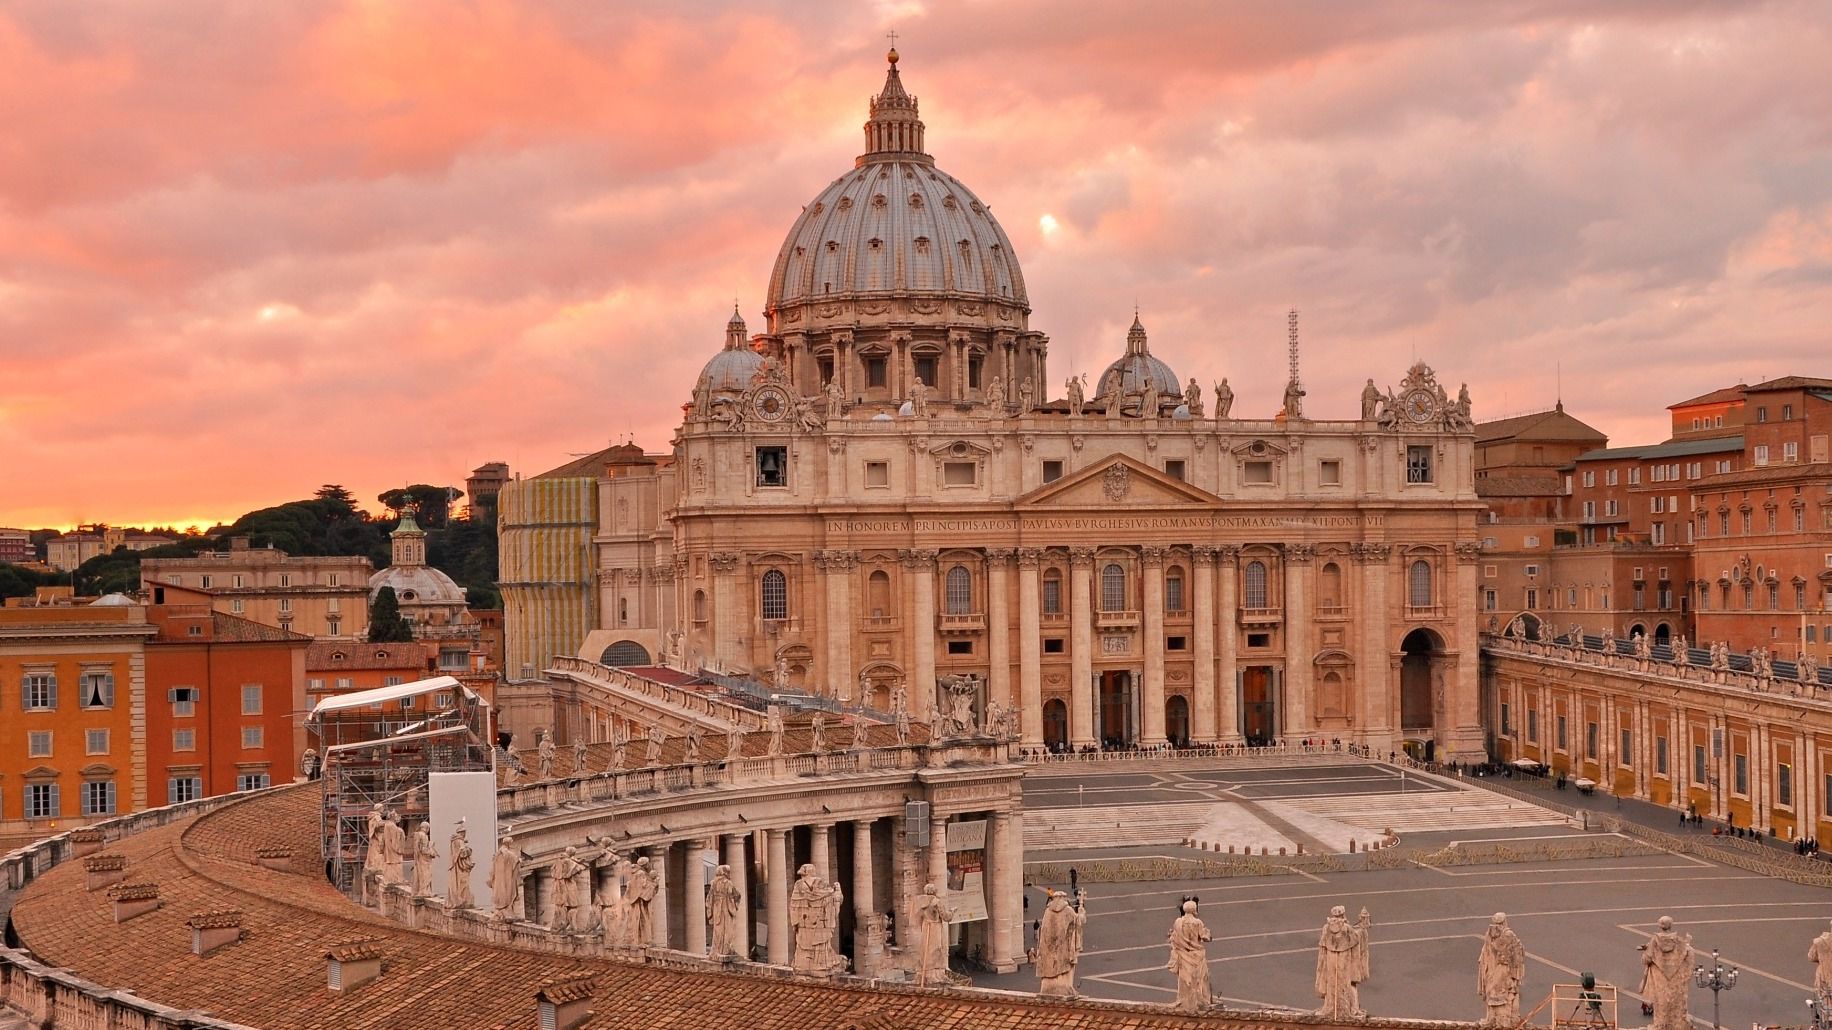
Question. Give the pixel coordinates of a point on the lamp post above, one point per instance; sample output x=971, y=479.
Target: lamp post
x=1715, y=978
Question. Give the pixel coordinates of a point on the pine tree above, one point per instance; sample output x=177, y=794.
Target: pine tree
x=386, y=626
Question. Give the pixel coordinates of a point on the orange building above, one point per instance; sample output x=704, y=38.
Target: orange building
x=226, y=703
x=72, y=689
x=334, y=667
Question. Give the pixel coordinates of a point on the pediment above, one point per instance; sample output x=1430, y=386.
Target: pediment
x=1117, y=481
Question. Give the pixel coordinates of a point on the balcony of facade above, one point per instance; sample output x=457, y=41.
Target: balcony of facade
x=1260, y=616
x=879, y=623
x=957, y=623
x=1332, y=612
x=1121, y=619
x=1057, y=619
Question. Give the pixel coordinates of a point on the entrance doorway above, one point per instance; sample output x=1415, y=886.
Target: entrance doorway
x=1118, y=711
x=1420, y=656
x=1056, y=725
x=1663, y=634
x=1259, y=715
x=1177, y=720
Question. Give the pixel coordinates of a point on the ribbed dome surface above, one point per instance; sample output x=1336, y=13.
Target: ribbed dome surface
x=896, y=226
x=1137, y=367
x=730, y=370
x=421, y=584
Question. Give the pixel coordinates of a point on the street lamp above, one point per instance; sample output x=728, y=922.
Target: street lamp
x=1715, y=978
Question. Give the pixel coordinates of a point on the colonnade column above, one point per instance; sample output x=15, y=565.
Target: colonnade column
x=938, y=851
x=921, y=635
x=864, y=894
x=1203, y=682
x=776, y=899
x=1298, y=649
x=998, y=624
x=1030, y=643
x=1081, y=646
x=1152, y=732
x=1228, y=675
x=818, y=850
x=725, y=624
x=741, y=878
x=693, y=894
x=658, y=909
x=1006, y=906
x=838, y=566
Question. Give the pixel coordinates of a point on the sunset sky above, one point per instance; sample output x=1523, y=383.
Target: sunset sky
x=248, y=248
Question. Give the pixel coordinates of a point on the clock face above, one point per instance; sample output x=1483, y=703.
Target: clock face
x=771, y=404
x=1419, y=405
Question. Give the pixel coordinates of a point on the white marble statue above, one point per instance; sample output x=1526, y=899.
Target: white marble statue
x=774, y=722
x=780, y=674
x=544, y=755
x=1224, y=399
x=814, y=912
x=1026, y=393
x=1294, y=399
x=695, y=738
x=1370, y=401
x=394, y=849
x=903, y=726
x=506, y=881
x=1192, y=398
x=458, y=872
x=1077, y=393
x=724, y=909
x=1150, y=399
x=1498, y=973
x=424, y=854
x=734, y=741
x=932, y=917
x=1059, y=936
x=836, y=400
x=652, y=753
x=995, y=395
x=578, y=768
x=1342, y=965
x=568, y=892
x=1189, y=959
x=610, y=902
x=1666, y=976
x=375, y=852
x=620, y=750
x=857, y=718
x=817, y=726
x=639, y=895
x=919, y=398
x=960, y=713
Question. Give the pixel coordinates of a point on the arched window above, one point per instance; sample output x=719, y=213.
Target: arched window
x=1112, y=588
x=699, y=606
x=1418, y=584
x=775, y=595
x=878, y=593
x=959, y=591
x=1052, y=592
x=1173, y=590
x=1254, y=584
x=1329, y=586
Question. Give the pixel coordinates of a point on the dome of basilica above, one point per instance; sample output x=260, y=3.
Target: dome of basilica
x=1135, y=367
x=731, y=369
x=895, y=225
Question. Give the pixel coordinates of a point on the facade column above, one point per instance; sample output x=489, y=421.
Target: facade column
x=1227, y=677
x=1298, y=619
x=658, y=910
x=903, y=878
x=1374, y=686
x=1203, y=682
x=998, y=624
x=1005, y=941
x=920, y=564
x=741, y=878
x=1464, y=704
x=693, y=894
x=818, y=850
x=1152, y=732
x=1081, y=646
x=938, y=851
x=864, y=896
x=725, y=616
x=776, y=899
x=1030, y=644
x=837, y=569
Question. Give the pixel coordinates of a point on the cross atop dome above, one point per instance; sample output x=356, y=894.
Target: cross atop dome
x=894, y=131
x=736, y=337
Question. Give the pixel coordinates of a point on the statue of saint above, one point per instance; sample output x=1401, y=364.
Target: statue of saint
x=1115, y=397
x=724, y=909
x=1370, y=401
x=373, y=854
x=652, y=754
x=610, y=902
x=578, y=768
x=814, y=912
x=568, y=893
x=734, y=742
x=1820, y=954
x=960, y=713
x=857, y=719
x=423, y=857
x=1059, y=945
x=458, y=873
x=1666, y=976
x=1192, y=398
x=1498, y=973
x=932, y=916
x=506, y=881
x=903, y=727
x=1189, y=959
x=544, y=754
x=394, y=849
x=1025, y=393
x=774, y=721
x=620, y=746
x=1224, y=399
x=995, y=395
x=1342, y=964
x=1077, y=390
x=994, y=723
x=638, y=896
x=836, y=400
x=1294, y=400
x=1150, y=399
x=817, y=727
x=780, y=673
x=919, y=398
x=695, y=737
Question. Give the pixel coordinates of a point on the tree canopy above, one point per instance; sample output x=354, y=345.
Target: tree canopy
x=386, y=626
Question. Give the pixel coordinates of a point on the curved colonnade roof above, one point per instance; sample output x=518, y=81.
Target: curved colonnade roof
x=275, y=977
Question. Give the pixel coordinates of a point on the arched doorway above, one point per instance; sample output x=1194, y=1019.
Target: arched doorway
x=1117, y=720
x=1177, y=720
x=1663, y=634
x=1532, y=627
x=625, y=652
x=1420, y=654
x=1056, y=724
x=1637, y=630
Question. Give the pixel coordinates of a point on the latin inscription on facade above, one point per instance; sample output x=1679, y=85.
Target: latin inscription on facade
x=1102, y=522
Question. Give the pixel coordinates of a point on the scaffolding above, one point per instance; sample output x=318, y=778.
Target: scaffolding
x=374, y=756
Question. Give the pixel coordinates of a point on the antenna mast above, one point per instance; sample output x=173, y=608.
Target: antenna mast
x=1291, y=336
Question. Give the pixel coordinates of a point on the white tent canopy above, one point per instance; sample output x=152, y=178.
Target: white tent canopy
x=1525, y=763
x=378, y=695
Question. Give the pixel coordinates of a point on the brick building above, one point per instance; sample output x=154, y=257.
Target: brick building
x=317, y=596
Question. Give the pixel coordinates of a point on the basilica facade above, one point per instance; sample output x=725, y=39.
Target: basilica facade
x=884, y=496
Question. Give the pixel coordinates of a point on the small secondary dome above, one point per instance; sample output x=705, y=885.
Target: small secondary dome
x=1136, y=367
x=731, y=369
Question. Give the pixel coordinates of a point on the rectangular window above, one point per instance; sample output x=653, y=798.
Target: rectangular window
x=1609, y=477
x=95, y=742
x=1660, y=756
x=1741, y=776
x=1257, y=472
x=772, y=466
x=336, y=579
x=251, y=699
x=1418, y=464
x=1698, y=764
x=1329, y=473
x=252, y=736
x=286, y=579
x=184, y=702
x=1489, y=600
x=184, y=740
x=1507, y=726
x=394, y=681
x=960, y=647
x=1634, y=476
x=1784, y=784
x=1176, y=643
x=38, y=692
x=286, y=604
x=959, y=473
x=206, y=582
x=925, y=369
x=180, y=789
x=1761, y=455
x=874, y=373
x=235, y=606
x=237, y=582
x=38, y=744
x=1590, y=478
x=1052, y=597
x=1173, y=467
x=252, y=781
x=1532, y=599
x=1532, y=725
x=877, y=473
x=1790, y=452
x=99, y=797
x=1559, y=731
x=41, y=801
x=98, y=690
x=1626, y=755
x=1052, y=469
x=1052, y=645
x=1530, y=570
x=1590, y=740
